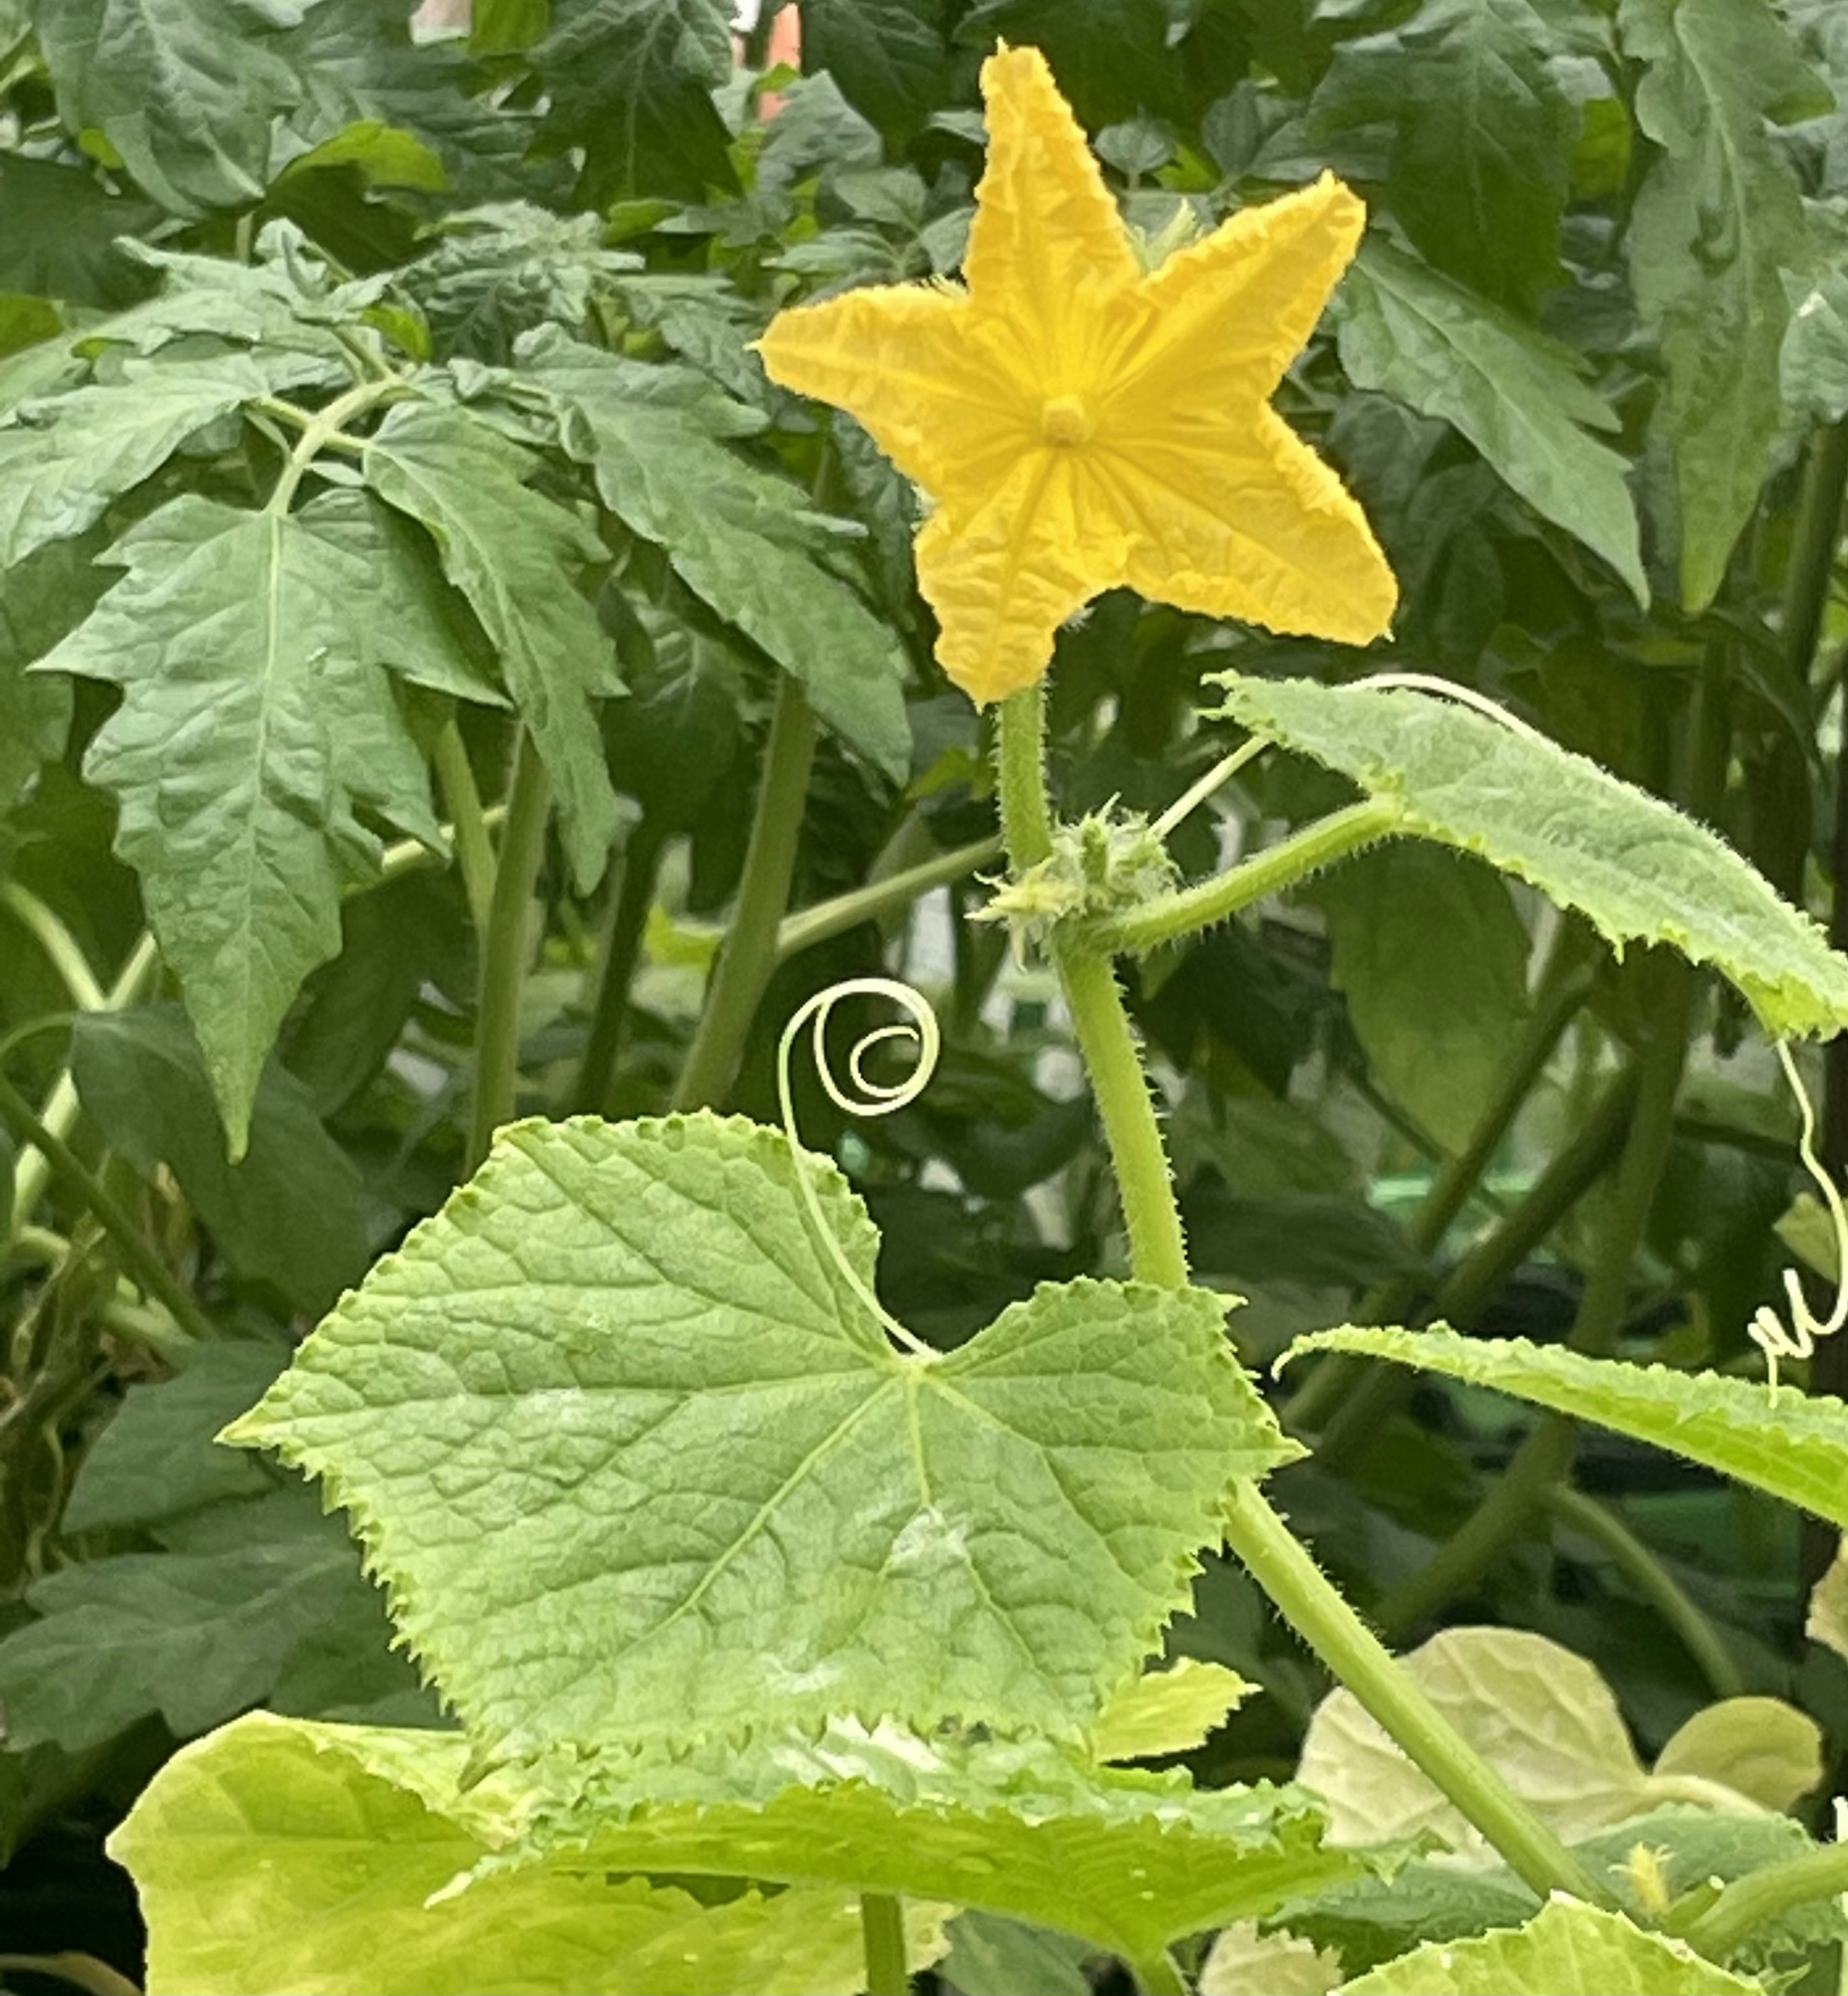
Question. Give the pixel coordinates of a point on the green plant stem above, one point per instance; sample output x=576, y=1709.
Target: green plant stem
x=504, y=947
x=1171, y=917
x=1545, y=1457
x=81, y=1971
x=1377, y=1392
x=474, y=850
x=804, y=930
x=323, y=430
x=1159, y=1975
x=60, y=945
x=32, y=1173
x=1655, y=1583
x=1817, y=532
x=748, y=955
x=882, y=1931
x=146, y=1266
x=1749, y=1902
x=1281, y=1567
x=412, y=855
x=621, y=952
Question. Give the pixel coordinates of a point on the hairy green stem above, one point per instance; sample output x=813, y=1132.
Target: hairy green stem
x=804, y=930
x=749, y=954
x=1281, y=1567
x=641, y=866
x=1171, y=917
x=60, y=945
x=32, y=1172
x=154, y=1277
x=883, y=1933
x=474, y=850
x=1748, y=1903
x=1159, y=1975
x=1652, y=1580
x=505, y=945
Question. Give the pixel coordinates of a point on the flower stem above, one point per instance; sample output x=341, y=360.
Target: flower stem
x=1258, y=1535
x=504, y=945
x=809, y=926
x=474, y=849
x=749, y=953
x=883, y=1932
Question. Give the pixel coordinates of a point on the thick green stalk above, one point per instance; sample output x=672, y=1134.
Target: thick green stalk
x=1748, y=1903
x=1278, y=867
x=474, y=849
x=1301, y=1593
x=827, y=919
x=1655, y=1583
x=324, y=431
x=504, y=948
x=883, y=1932
x=640, y=865
x=138, y=1258
x=749, y=952
x=60, y=947
x=1818, y=530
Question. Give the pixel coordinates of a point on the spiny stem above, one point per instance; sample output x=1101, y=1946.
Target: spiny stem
x=809, y=926
x=883, y=1934
x=1301, y=1593
x=504, y=945
x=748, y=955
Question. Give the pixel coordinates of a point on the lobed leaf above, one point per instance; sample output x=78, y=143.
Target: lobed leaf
x=634, y=1461
x=1639, y=869
x=1793, y=1445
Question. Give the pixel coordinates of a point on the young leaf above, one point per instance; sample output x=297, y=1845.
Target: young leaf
x=1243, y=1961
x=1169, y=1711
x=1636, y=867
x=1718, y=222
x=511, y=551
x=563, y=1576
x=1481, y=136
x=1412, y=333
x=741, y=540
x=279, y=1856
x=254, y=723
x=1795, y=1446
x=1568, y=1948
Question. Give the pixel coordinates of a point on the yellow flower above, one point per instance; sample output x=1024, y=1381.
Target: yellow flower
x=1082, y=425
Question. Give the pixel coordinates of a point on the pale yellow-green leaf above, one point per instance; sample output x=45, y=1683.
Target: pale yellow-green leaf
x=1759, y=1747
x=1827, y=1622
x=1167, y=1711
x=1244, y=1962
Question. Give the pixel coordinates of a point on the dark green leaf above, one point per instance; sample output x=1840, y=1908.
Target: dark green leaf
x=886, y=56
x=40, y=600
x=58, y=227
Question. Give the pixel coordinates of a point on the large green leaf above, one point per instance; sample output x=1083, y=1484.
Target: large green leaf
x=183, y=91
x=741, y=539
x=255, y=723
x=64, y=459
x=286, y=1858
x=1794, y=1445
x=512, y=552
x=1415, y=335
x=1640, y=870
x=631, y=82
x=1716, y=224
x=58, y=227
x=291, y=1212
x=1568, y=1948
x=1482, y=139
x=635, y=1461
x=887, y=56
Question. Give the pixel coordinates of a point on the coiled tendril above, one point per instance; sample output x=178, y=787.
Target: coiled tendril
x=1767, y=1329
x=864, y=1096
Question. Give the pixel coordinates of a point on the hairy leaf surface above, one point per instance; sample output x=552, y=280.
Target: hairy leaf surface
x=635, y=1461
x=1640, y=870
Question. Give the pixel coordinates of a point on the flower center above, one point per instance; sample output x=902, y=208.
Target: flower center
x=1064, y=419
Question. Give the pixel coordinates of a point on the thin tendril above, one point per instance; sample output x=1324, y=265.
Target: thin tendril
x=1767, y=1329
x=1222, y=771
x=1449, y=690
x=869, y=1098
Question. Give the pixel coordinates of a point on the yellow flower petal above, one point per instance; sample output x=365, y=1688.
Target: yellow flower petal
x=1079, y=424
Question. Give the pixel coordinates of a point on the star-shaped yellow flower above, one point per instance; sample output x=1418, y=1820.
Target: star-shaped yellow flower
x=1081, y=424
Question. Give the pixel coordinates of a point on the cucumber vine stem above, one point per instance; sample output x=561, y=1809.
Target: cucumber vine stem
x=1258, y=1536
x=883, y=1932
x=504, y=950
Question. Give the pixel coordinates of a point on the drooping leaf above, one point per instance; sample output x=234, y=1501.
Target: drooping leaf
x=291, y=1212
x=1415, y=335
x=564, y=1579
x=1640, y=870
x=64, y=459
x=58, y=228
x=183, y=91
x=1432, y=957
x=1482, y=134
x=741, y=538
x=1568, y=1948
x=280, y=1856
x=1717, y=223
x=512, y=552
x=1794, y=1445
x=632, y=81
x=1760, y=1747
x=887, y=56
x=255, y=722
